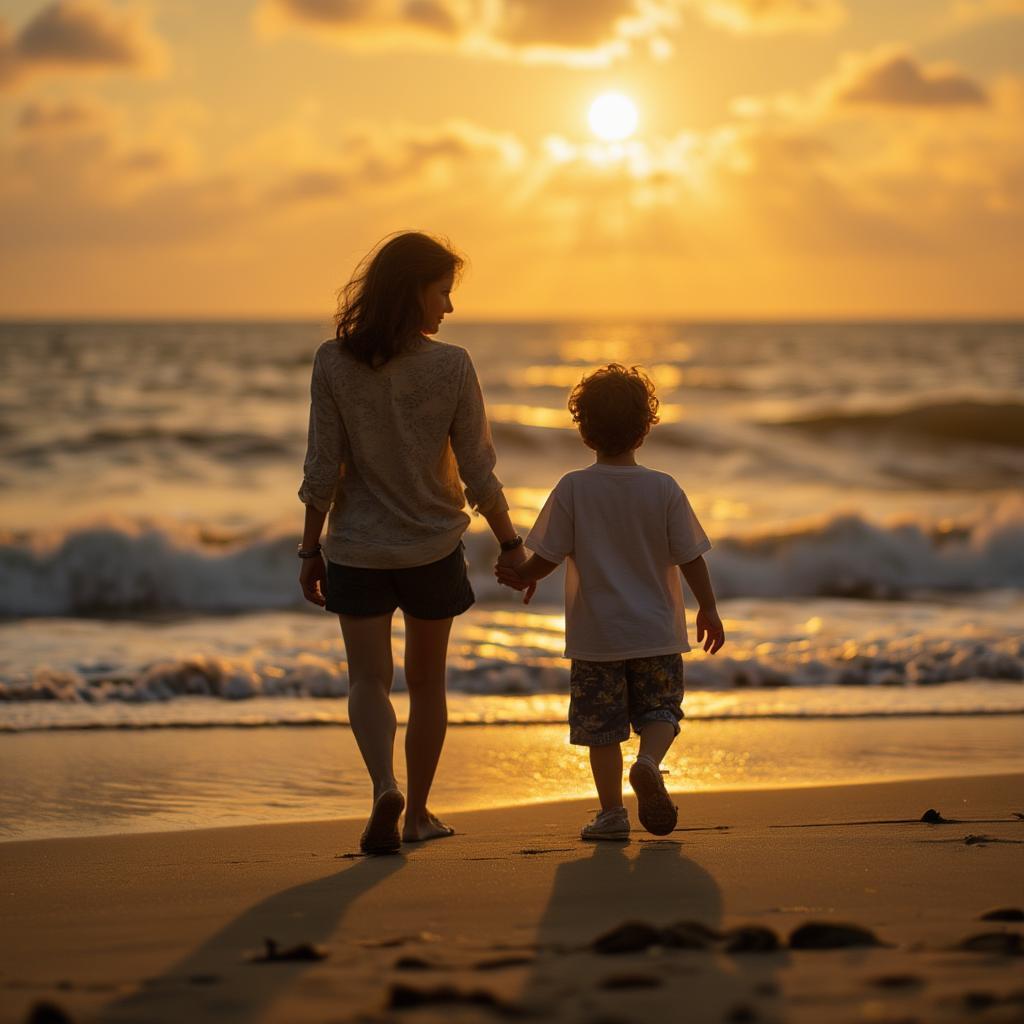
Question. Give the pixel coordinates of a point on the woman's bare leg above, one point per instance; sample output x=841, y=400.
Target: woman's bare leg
x=370, y=673
x=426, y=654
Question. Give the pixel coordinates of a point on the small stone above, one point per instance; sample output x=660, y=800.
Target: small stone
x=413, y=963
x=626, y=981
x=979, y=1000
x=751, y=939
x=689, y=935
x=1009, y=943
x=1003, y=914
x=897, y=981
x=741, y=1014
x=822, y=935
x=47, y=1013
x=303, y=952
x=932, y=817
x=628, y=937
x=403, y=997
x=500, y=963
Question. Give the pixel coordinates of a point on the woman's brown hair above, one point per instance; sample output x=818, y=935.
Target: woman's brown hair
x=379, y=310
x=614, y=408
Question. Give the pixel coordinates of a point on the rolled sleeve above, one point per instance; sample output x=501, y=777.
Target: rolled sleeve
x=326, y=445
x=471, y=442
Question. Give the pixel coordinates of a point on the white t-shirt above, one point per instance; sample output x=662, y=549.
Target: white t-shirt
x=624, y=530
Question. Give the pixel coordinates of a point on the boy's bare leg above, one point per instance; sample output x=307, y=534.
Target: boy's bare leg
x=606, y=764
x=655, y=739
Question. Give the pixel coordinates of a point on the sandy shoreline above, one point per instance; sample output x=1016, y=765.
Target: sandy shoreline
x=158, y=927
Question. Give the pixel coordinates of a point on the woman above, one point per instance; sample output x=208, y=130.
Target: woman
x=396, y=419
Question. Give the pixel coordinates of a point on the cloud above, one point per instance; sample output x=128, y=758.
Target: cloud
x=576, y=32
x=772, y=16
x=400, y=159
x=969, y=11
x=570, y=23
x=891, y=78
x=588, y=32
x=379, y=23
x=43, y=117
x=76, y=36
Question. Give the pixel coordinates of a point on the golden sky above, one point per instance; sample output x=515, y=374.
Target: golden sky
x=812, y=158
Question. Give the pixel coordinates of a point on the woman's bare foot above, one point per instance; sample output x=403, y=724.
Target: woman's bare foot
x=426, y=826
x=381, y=832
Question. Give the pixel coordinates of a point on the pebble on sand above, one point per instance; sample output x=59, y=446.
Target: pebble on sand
x=628, y=937
x=825, y=935
x=626, y=981
x=303, y=952
x=689, y=935
x=751, y=938
x=47, y=1013
x=403, y=997
x=1009, y=943
x=1003, y=914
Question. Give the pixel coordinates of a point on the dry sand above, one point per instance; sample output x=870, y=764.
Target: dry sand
x=499, y=921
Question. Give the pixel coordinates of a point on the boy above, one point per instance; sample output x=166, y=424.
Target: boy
x=624, y=529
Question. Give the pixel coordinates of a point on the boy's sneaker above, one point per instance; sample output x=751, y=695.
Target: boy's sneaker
x=608, y=825
x=655, y=809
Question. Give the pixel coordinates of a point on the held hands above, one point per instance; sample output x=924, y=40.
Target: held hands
x=710, y=631
x=312, y=579
x=505, y=570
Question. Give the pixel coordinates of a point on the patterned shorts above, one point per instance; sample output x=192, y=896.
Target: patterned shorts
x=609, y=696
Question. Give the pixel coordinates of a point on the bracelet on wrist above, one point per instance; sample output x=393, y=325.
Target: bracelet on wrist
x=308, y=552
x=511, y=545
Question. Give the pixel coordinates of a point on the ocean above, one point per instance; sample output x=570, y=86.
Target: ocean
x=861, y=483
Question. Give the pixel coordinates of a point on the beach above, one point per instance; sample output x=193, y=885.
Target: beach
x=501, y=920
x=181, y=782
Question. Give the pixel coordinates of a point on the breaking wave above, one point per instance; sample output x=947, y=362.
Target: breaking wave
x=958, y=422
x=130, y=569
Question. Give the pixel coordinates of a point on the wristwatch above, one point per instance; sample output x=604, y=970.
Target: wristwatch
x=308, y=553
x=511, y=545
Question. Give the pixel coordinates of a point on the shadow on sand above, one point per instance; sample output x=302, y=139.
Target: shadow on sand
x=197, y=984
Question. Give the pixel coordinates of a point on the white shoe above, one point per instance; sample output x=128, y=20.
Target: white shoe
x=608, y=825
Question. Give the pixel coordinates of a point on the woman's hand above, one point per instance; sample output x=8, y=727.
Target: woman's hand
x=312, y=579
x=505, y=569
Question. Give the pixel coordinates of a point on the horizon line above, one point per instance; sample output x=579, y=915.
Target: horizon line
x=842, y=318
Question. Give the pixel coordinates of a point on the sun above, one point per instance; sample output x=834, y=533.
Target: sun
x=613, y=117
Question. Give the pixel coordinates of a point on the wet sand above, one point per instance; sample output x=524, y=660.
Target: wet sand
x=516, y=917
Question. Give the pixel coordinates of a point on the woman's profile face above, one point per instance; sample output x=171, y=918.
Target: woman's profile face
x=436, y=301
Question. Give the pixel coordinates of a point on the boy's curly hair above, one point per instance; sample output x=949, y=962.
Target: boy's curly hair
x=614, y=408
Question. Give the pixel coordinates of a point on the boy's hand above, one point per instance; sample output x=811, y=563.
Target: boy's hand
x=509, y=577
x=710, y=631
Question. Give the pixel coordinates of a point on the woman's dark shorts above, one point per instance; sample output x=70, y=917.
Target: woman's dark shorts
x=609, y=696
x=439, y=590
